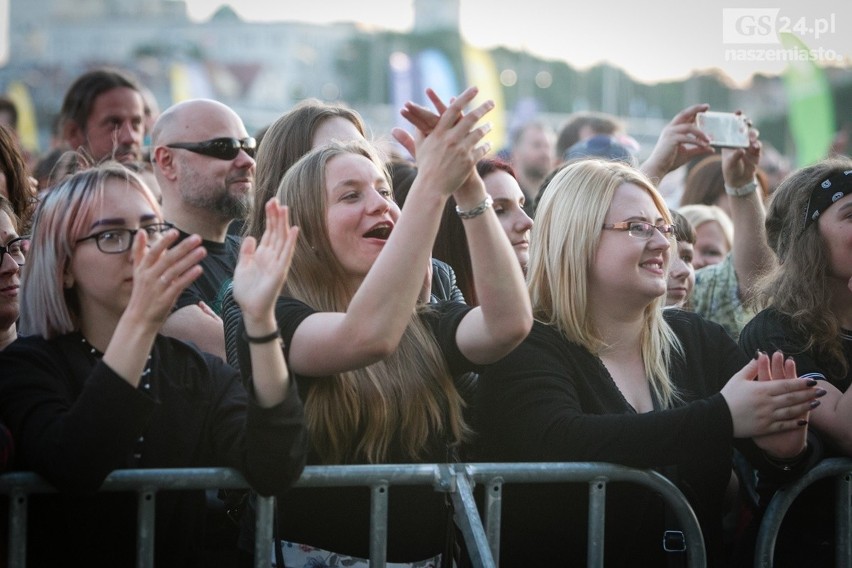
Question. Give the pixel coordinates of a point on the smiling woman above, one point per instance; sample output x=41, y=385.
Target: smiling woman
x=376, y=367
x=607, y=375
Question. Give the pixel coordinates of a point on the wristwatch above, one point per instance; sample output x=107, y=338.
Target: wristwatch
x=750, y=187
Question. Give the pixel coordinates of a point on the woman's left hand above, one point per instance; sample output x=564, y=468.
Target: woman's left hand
x=792, y=442
x=263, y=267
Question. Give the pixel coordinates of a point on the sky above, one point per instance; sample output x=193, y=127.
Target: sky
x=656, y=41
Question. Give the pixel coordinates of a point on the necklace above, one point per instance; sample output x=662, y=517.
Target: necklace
x=144, y=384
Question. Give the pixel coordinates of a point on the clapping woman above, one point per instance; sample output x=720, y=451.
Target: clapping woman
x=607, y=375
x=93, y=387
x=375, y=368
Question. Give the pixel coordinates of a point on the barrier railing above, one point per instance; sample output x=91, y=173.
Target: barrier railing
x=455, y=479
x=841, y=469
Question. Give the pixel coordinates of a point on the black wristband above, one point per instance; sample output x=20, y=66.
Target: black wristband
x=263, y=338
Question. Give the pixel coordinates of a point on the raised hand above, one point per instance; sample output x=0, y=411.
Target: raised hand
x=262, y=267
x=161, y=273
x=792, y=442
x=740, y=165
x=679, y=141
x=450, y=145
x=768, y=406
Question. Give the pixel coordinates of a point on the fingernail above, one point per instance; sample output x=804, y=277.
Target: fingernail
x=802, y=422
x=820, y=392
x=814, y=404
x=811, y=382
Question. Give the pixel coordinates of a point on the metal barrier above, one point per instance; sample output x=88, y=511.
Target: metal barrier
x=841, y=468
x=455, y=479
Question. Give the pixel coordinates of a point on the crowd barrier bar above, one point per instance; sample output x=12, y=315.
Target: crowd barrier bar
x=455, y=479
x=495, y=475
x=841, y=468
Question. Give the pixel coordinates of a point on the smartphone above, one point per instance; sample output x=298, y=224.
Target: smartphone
x=724, y=129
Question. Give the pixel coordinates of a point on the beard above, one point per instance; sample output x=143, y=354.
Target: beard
x=535, y=171
x=222, y=201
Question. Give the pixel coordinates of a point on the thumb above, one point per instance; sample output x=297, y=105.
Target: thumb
x=748, y=372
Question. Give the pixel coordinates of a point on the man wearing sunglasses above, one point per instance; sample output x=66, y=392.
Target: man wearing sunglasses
x=204, y=162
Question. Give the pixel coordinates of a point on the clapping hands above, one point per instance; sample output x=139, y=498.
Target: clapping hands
x=263, y=267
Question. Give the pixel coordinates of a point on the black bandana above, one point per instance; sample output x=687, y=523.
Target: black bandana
x=826, y=193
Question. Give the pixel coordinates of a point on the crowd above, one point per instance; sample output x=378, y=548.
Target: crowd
x=178, y=292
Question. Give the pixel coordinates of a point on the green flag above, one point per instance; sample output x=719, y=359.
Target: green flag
x=810, y=105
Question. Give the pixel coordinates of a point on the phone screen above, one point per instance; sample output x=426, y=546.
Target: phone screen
x=725, y=129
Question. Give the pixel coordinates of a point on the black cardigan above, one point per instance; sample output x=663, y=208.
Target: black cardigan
x=74, y=421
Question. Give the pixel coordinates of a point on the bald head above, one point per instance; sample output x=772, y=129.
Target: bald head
x=187, y=120
x=205, y=184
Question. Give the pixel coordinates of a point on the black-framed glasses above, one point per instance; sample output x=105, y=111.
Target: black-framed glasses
x=115, y=241
x=219, y=148
x=16, y=248
x=640, y=229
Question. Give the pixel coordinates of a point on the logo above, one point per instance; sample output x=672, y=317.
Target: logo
x=749, y=25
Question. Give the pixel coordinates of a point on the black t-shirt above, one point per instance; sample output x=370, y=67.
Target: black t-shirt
x=770, y=330
x=218, y=265
x=337, y=518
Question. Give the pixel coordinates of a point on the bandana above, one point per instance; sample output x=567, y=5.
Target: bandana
x=826, y=193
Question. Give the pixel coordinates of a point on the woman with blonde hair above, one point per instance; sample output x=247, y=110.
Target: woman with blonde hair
x=92, y=387
x=607, y=375
x=375, y=366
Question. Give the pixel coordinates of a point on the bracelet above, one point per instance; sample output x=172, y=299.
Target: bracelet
x=263, y=338
x=741, y=191
x=476, y=211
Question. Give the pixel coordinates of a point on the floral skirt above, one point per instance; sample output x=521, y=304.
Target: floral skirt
x=305, y=556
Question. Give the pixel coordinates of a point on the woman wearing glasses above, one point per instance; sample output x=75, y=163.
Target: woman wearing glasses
x=606, y=375
x=93, y=387
x=12, y=256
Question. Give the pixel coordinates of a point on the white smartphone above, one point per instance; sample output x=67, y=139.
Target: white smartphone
x=724, y=129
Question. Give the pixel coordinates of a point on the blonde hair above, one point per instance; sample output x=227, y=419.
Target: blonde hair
x=63, y=216
x=408, y=398
x=698, y=214
x=563, y=244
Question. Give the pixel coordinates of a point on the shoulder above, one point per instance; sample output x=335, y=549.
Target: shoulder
x=767, y=326
x=697, y=334
x=233, y=243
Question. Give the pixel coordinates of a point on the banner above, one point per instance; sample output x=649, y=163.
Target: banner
x=810, y=104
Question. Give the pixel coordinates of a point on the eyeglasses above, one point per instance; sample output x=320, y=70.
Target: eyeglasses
x=16, y=248
x=219, y=148
x=115, y=241
x=641, y=230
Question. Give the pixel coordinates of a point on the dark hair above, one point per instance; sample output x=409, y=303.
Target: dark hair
x=544, y=183
x=798, y=286
x=13, y=165
x=8, y=105
x=56, y=165
x=402, y=174
x=451, y=242
x=285, y=141
x=705, y=182
x=684, y=231
x=81, y=95
x=598, y=122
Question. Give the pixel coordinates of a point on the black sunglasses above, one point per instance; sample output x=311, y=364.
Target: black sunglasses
x=219, y=148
